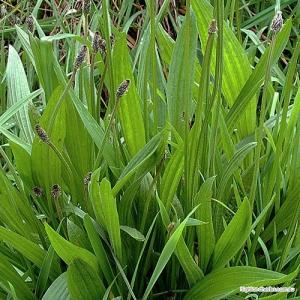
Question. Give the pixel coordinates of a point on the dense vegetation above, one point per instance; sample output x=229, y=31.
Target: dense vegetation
x=149, y=149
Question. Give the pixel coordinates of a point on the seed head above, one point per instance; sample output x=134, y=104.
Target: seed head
x=102, y=46
x=38, y=191
x=87, y=178
x=277, y=22
x=42, y=134
x=171, y=227
x=80, y=57
x=99, y=44
x=15, y=20
x=123, y=88
x=30, y=23
x=55, y=191
x=86, y=7
x=3, y=11
x=96, y=42
x=213, y=27
x=112, y=39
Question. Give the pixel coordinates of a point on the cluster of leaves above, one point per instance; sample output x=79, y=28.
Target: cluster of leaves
x=167, y=170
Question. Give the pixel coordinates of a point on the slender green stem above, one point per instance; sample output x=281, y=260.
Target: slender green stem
x=13, y=170
x=149, y=196
x=168, y=292
x=109, y=52
x=101, y=83
x=145, y=102
x=153, y=64
x=105, y=136
x=92, y=108
x=92, y=105
x=59, y=103
x=58, y=209
x=196, y=136
x=219, y=58
x=259, y=131
x=187, y=113
x=216, y=99
x=238, y=20
x=85, y=27
x=63, y=160
x=232, y=9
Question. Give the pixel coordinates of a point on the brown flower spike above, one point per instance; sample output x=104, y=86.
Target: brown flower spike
x=96, y=41
x=123, y=88
x=102, y=46
x=38, y=191
x=80, y=57
x=98, y=44
x=213, y=27
x=55, y=191
x=277, y=22
x=42, y=134
x=87, y=178
x=30, y=23
x=86, y=7
x=3, y=11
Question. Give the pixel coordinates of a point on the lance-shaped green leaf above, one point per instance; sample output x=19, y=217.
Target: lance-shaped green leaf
x=205, y=233
x=98, y=248
x=243, y=100
x=18, y=89
x=83, y=282
x=139, y=160
x=181, y=74
x=105, y=208
x=58, y=289
x=67, y=251
x=30, y=250
x=129, y=110
x=234, y=236
x=171, y=177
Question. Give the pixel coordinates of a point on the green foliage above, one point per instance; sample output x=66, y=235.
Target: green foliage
x=83, y=282
x=185, y=183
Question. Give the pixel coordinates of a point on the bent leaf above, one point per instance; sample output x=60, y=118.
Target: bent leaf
x=234, y=236
x=67, y=251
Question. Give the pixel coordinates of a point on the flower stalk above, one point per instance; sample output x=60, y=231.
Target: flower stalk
x=122, y=89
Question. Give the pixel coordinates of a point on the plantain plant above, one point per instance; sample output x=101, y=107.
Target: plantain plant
x=149, y=151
